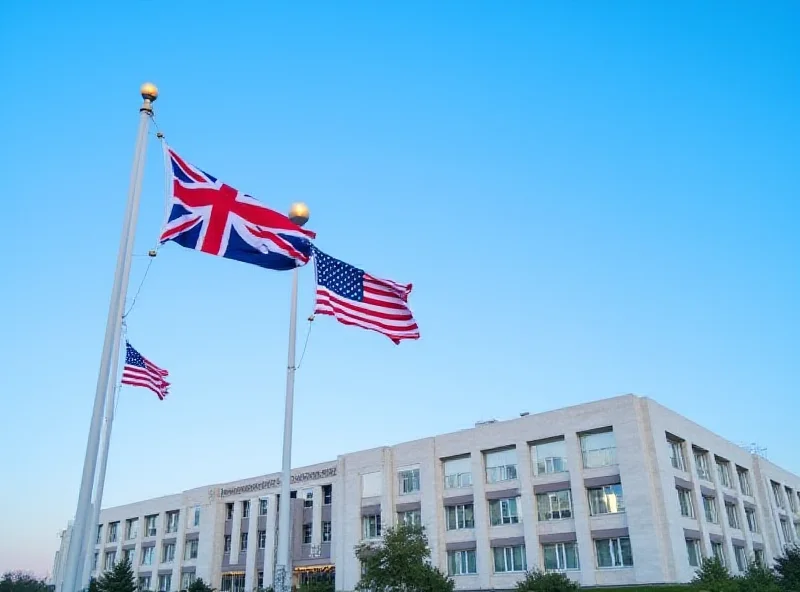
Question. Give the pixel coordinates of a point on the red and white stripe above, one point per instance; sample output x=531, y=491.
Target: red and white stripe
x=384, y=308
x=151, y=377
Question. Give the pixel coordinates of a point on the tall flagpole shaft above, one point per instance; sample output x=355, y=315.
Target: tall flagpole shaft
x=110, y=345
x=283, y=570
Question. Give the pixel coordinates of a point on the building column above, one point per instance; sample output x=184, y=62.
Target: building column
x=483, y=551
x=316, y=522
x=272, y=531
x=236, y=530
x=527, y=510
x=250, y=575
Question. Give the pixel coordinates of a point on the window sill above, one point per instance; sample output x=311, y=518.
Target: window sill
x=615, y=568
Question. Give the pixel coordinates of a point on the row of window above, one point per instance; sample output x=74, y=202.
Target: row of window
x=131, y=531
x=701, y=460
x=307, y=495
x=555, y=505
x=598, y=449
x=148, y=554
x=608, y=553
x=308, y=533
x=686, y=505
x=165, y=582
x=777, y=494
x=695, y=554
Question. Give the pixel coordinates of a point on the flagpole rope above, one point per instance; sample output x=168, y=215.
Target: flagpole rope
x=305, y=345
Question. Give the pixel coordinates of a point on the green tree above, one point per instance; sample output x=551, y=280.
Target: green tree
x=759, y=578
x=200, y=586
x=714, y=577
x=316, y=587
x=92, y=585
x=20, y=581
x=537, y=581
x=788, y=570
x=117, y=579
x=400, y=563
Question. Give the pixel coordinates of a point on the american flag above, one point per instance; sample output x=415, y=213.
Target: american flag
x=357, y=298
x=139, y=371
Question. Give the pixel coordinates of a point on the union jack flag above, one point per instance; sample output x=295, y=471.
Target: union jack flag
x=210, y=216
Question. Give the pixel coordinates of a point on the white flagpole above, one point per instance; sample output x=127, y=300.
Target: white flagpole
x=298, y=214
x=108, y=420
x=111, y=343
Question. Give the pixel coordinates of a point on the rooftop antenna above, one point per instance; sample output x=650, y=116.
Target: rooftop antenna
x=754, y=448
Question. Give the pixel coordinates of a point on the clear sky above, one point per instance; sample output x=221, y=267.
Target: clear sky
x=590, y=198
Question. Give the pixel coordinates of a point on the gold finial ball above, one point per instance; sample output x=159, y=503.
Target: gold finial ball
x=149, y=91
x=299, y=213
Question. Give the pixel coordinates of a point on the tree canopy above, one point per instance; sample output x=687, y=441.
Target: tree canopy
x=400, y=563
x=21, y=581
x=118, y=579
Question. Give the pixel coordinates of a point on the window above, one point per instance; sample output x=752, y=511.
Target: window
x=112, y=531
x=326, y=532
x=410, y=518
x=460, y=563
x=262, y=539
x=147, y=555
x=560, y=556
x=776, y=493
x=144, y=582
x=371, y=526
x=131, y=529
x=549, y=457
x=308, y=532
x=458, y=472
x=693, y=552
x=701, y=460
x=242, y=542
x=308, y=498
x=459, y=517
x=151, y=525
x=129, y=555
x=190, y=549
x=719, y=552
x=752, y=522
x=187, y=579
x=226, y=543
x=409, y=481
x=787, y=533
x=606, y=500
x=229, y=511
x=94, y=561
x=724, y=472
x=172, y=521
x=613, y=552
x=710, y=509
x=164, y=582
x=556, y=505
x=508, y=559
x=744, y=481
x=260, y=579
x=733, y=515
x=232, y=582
x=598, y=449
x=168, y=552
x=685, y=502
x=758, y=555
x=501, y=465
x=741, y=558
x=790, y=497
x=503, y=511
x=327, y=495
x=99, y=537
x=371, y=484
x=797, y=530
x=246, y=509
x=262, y=506
x=197, y=516
x=676, y=454
x=110, y=559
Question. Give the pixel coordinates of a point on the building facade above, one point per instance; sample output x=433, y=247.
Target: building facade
x=615, y=492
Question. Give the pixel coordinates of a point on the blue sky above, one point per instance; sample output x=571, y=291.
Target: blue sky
x=590, y=198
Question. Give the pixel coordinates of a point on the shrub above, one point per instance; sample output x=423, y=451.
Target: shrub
x=788, y=570
x=537, y=581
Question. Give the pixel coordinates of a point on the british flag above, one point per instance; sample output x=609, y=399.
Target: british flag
x=210, y=216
